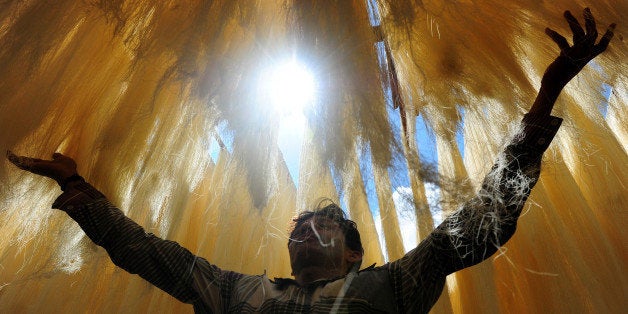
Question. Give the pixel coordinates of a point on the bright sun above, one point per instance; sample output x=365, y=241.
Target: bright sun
x=290, y=87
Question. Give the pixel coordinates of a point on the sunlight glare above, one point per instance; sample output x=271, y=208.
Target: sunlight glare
x=290, y=87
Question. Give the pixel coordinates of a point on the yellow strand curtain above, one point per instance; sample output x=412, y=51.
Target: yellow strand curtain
x=137, y=91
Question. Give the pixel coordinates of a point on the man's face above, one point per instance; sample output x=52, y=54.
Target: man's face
x=318, y=242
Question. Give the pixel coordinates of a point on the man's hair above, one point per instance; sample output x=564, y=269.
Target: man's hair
x=335, y=213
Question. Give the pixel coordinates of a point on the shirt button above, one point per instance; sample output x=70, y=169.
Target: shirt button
x=554, y=122
x=541, y=141
x=70, y=207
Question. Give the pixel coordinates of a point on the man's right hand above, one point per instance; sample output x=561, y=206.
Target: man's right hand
x=60, y=168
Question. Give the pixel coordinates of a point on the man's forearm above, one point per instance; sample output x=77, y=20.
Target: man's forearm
x=163, y=263
x=546, y=98
x=482, y=225
x=555, y=78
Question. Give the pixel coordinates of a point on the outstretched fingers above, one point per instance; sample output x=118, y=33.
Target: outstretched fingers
x=589, y=23
x=23, y=162
x=583, y=39
x=601, y=46
x=557, y=38
x=574, y=25
x=59, y=168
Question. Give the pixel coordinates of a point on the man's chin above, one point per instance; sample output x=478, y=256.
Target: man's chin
x=312, y=257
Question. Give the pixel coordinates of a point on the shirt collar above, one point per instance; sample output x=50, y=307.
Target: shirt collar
x=284, y=283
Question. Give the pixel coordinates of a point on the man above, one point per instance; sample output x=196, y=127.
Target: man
x=325, y=249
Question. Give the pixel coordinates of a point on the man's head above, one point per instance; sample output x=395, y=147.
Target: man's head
x=324, y=239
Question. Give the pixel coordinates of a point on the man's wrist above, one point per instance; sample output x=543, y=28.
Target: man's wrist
x=544, y=102
x=560, y=72
x=69, y=181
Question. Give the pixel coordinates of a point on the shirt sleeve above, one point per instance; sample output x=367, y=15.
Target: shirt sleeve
x=163, y=263
x=481, y=225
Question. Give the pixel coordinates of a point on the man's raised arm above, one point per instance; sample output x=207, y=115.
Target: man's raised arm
x=163, y=263
x=486, y=222
x=478, y=228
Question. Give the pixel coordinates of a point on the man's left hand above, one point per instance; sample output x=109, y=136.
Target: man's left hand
x=573, y=58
